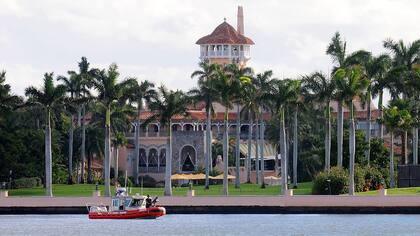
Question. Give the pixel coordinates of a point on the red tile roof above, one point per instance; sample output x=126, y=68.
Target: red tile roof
x=225, y=34
x=194, y=115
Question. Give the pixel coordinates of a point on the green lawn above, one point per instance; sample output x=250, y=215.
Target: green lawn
x=61, y=190
x=395, y=192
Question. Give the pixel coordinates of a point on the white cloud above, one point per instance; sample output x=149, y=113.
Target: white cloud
x=155, y=40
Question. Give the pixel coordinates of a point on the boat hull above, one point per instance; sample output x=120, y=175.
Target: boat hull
x=147, y=213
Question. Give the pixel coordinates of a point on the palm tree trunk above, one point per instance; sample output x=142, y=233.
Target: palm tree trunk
x=70, y=165
x=89, y=168
x=351, y=151
x=208, y=148
x=327, y=137
x=415, y=145
x=79, y=116
x=340, y=134
x=404, y=147
x=248, y=159
x=262, y=144
x=107, y=154
x=295, y=147
x=237, y=148
x=225, y=154
x=276, y=161
x=137, y=145
x=116, y=165
x=136, y=152
x=78, y=171
x=168, y=162
x=48, y=157
x=369, y=119
x=381, y=111
x=83, y=147
x=257, y=161
x=391, y=163
x=283, y=153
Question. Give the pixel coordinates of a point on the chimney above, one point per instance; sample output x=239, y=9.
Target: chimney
x=240, y=20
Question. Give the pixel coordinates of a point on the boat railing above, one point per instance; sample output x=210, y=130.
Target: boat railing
x=99, y=207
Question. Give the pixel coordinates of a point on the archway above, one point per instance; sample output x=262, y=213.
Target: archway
x=188, y=127
x=176, y=127
x=188, y=158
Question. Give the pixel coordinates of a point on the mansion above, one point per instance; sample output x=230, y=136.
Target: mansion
x=224, y=45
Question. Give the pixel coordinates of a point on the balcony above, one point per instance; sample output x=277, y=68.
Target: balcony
x=225, y=54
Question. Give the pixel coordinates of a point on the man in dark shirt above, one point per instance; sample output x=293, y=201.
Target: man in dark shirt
x=148, y=201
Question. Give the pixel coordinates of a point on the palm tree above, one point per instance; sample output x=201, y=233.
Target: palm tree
x=73, y=88
x=120, y=114
x=380, y=68
x=250, y=106
x=139, y=93
x=395, y=119
x=405, y=56
x=94, y=145
x=337, y=50
x=319, y=89
x=84, y=78
x=228, y=85
x=262, y=82
x=118, y=142
x=351, y=83
x=8, y=102
x=109, y=92
x=47, y=97
x=375, y=71
x=282, y=93
x=244, y=73
x=207, y=93
x=166, y=105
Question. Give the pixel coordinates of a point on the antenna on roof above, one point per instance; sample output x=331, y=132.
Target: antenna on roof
x=224, y=19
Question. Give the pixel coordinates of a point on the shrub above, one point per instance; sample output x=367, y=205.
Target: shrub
x=370, y=178
x=338, y=182
x=59, y=174
x=148, y=181
x=374, y=178
x=214, y=172
x=359, y=179
x=121, y=181
x=27, y=182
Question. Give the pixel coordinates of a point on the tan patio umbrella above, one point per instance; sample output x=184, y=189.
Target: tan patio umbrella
x=198, y=176
x=179, y=177
x=221, y=177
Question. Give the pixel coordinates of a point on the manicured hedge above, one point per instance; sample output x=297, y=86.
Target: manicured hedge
x=338, y=182
x=27, y=182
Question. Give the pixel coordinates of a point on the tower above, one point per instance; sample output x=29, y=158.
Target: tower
x=225, y=45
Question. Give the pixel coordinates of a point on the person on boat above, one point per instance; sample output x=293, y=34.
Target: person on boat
x=148, y=201
x=155, y=201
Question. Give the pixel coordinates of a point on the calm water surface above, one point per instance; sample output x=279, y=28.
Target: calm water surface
x=213, y=225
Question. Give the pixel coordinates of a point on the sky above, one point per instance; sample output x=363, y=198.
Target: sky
x=155, y=40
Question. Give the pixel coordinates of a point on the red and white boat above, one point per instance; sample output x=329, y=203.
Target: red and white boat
x=127, y=207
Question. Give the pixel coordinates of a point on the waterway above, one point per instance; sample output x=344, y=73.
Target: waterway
x=204, y=225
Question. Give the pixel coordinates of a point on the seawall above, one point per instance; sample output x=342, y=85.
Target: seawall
x=228, y=205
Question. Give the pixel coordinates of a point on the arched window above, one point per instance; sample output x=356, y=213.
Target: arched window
x=188, y=158
x=188, y=127
x=162, y=157
x=153, y=158
x=142, y=158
